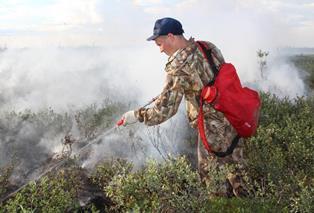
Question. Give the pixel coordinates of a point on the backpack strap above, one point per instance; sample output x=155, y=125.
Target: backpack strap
x=207, y=53
x=230, y=149
x=207, y=146
x=201, y=129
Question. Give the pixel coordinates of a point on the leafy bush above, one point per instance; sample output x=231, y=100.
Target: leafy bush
x=306, y=63
x=304, y=200
x=106, y=171
x=167, y=187
x=5, y=173
x=94, y=118
x=279, y=169
x=237, y=205
x=280, y=156
x=171, y=186
x=52, y=193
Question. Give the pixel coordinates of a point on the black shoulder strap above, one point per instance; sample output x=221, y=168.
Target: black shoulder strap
x=230, y=149
x=208, y=53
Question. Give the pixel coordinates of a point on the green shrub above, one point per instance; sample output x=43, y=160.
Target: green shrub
x=167, y=187
x=106, y=171
x=305, y=63
x=94, y=118
x=278, y=171
x=281, y=154
x=5, y=173
x=238, y=205
x=304, y=200
x=53, y=193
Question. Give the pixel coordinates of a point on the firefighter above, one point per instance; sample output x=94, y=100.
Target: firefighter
x=187, y=72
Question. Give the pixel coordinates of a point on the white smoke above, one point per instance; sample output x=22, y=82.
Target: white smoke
x=138, y=143
x=238, y=28
x=282, y=78
x=60, y=78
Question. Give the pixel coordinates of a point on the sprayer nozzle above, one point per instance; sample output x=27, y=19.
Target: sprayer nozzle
x=120, y=122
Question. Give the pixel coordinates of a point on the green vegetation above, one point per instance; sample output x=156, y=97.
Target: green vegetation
x=5, y=173
x=279, y=175
x=280, y=156
x=306, y=63
x=53, y=193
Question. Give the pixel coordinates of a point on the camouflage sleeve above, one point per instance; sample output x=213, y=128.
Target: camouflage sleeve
x=166, y=105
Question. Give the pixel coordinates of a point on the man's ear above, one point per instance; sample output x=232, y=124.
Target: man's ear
x=171, y=36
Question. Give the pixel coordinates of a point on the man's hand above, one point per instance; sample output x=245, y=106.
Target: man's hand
x=128, y=118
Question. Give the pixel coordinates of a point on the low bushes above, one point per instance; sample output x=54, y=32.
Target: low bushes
x=278, y=173
x=56, y=192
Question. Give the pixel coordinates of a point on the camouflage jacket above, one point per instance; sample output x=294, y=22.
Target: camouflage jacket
x=187, y=72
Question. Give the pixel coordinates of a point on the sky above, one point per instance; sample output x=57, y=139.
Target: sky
x=25, y=23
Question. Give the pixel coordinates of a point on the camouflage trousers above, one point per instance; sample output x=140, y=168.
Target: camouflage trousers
x=227, y=168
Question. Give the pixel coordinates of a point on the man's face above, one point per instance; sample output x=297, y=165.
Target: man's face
x=165, y=45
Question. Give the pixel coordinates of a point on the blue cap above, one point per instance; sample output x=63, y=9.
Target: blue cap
x=166, y=25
